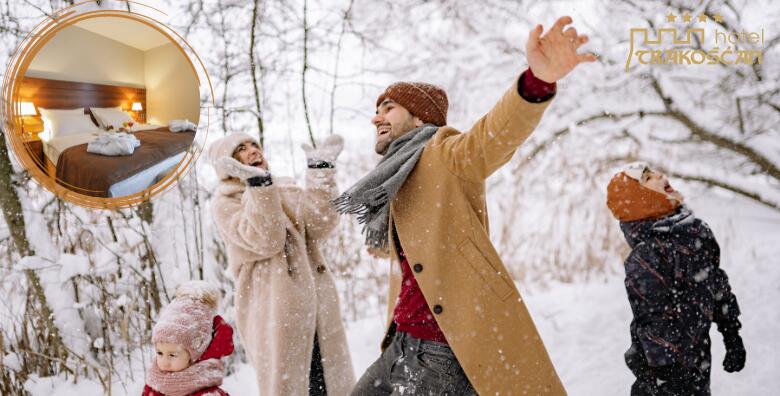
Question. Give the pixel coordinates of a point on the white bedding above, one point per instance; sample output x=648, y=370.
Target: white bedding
x=133, y=184
x=144, y=179
x=54, y=147
x=143, y=127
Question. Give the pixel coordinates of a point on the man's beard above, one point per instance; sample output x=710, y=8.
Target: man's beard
x=382, y=146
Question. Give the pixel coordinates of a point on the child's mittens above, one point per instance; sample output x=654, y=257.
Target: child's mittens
x=735, y=353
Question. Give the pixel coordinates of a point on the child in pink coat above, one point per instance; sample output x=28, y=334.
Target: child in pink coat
x=189, y=340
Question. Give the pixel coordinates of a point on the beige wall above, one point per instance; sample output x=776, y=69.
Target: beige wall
x=171, y=86
x=75, y=54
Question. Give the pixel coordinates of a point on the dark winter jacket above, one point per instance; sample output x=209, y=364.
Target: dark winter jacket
x=221, y=346
x=676, y=289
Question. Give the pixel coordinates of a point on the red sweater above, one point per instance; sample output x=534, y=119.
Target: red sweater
x=412, y=314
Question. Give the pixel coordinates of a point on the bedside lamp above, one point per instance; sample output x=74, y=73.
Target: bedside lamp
x=136, y=107
x=26, y=109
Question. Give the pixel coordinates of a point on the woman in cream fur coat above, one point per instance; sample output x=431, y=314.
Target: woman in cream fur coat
x=287, y=307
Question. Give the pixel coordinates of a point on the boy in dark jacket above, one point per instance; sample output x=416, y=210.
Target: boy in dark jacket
x=675, y=286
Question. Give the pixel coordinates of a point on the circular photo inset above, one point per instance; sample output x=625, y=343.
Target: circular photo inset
x=106, y=110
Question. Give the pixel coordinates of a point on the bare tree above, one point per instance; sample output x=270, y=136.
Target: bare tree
x=253, y=65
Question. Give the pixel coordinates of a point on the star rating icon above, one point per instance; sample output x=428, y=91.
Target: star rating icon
x=686, y=17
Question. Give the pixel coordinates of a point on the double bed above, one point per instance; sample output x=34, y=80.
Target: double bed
x=65, y=156
x=115, y=176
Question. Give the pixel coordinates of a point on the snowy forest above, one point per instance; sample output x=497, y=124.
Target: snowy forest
x=80, y=288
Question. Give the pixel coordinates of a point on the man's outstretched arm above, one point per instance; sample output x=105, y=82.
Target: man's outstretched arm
x=495, y=137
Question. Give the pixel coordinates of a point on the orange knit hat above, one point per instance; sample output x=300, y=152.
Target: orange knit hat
x=630, y=201
x=428, y=102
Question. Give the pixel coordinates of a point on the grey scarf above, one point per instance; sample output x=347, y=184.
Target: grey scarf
x=370, y=197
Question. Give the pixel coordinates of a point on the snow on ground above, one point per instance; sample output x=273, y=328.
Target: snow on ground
x=585, y=326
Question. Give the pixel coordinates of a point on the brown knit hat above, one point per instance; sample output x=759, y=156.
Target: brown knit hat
x=630, y=201
x=425, y=101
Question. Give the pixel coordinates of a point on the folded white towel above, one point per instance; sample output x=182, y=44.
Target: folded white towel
x=182, y=125
x=112, y=144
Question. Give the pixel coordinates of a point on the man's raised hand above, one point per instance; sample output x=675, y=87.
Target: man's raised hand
x=554, y=55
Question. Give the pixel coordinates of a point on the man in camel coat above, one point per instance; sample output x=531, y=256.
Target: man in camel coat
x=457, y=324
x=287, y=307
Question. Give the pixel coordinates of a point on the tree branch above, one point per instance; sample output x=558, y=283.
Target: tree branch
x=561, y=132
x=305, y=68
x=726, y=186
x=252, y=66
x=344, y=21
x=699, y=131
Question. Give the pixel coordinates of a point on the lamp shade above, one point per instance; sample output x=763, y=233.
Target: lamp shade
x=27, y=109
x=136, y=106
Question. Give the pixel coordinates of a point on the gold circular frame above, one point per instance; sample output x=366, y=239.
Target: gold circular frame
x=26, y=52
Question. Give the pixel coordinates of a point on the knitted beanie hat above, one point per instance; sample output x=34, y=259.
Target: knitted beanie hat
x=425, y=101
x=224, y=147
x=628, y=200
x=187, y=320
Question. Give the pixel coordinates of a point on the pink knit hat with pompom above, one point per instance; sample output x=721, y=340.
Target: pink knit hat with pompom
x=187, y=320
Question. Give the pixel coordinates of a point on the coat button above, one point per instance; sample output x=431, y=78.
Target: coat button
x=320, y=268
x=437, y=309
x=418, y=268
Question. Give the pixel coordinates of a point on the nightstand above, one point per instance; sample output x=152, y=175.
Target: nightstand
x=35, y=147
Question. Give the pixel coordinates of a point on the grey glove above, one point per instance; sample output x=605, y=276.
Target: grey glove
x=326, y=151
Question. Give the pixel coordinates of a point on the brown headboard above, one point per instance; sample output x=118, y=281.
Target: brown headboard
x=58, y=94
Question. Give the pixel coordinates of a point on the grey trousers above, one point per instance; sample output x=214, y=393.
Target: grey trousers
x=410, y=366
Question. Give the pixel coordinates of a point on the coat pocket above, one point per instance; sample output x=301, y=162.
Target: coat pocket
x=485, y=269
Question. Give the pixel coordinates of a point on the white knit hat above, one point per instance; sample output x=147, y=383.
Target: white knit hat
x=224, y=147
x=635, y=170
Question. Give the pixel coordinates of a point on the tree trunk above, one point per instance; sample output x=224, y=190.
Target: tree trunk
x=49, y=335
x=252, y=67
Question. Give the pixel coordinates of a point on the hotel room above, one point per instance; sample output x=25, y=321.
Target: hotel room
x=109, y=107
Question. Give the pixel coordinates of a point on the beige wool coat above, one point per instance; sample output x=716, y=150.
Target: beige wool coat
x=441, y=216
x=284, y=291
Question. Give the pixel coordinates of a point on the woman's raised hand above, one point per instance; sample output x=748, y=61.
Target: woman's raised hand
x=232, y=167
x=327, y=150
